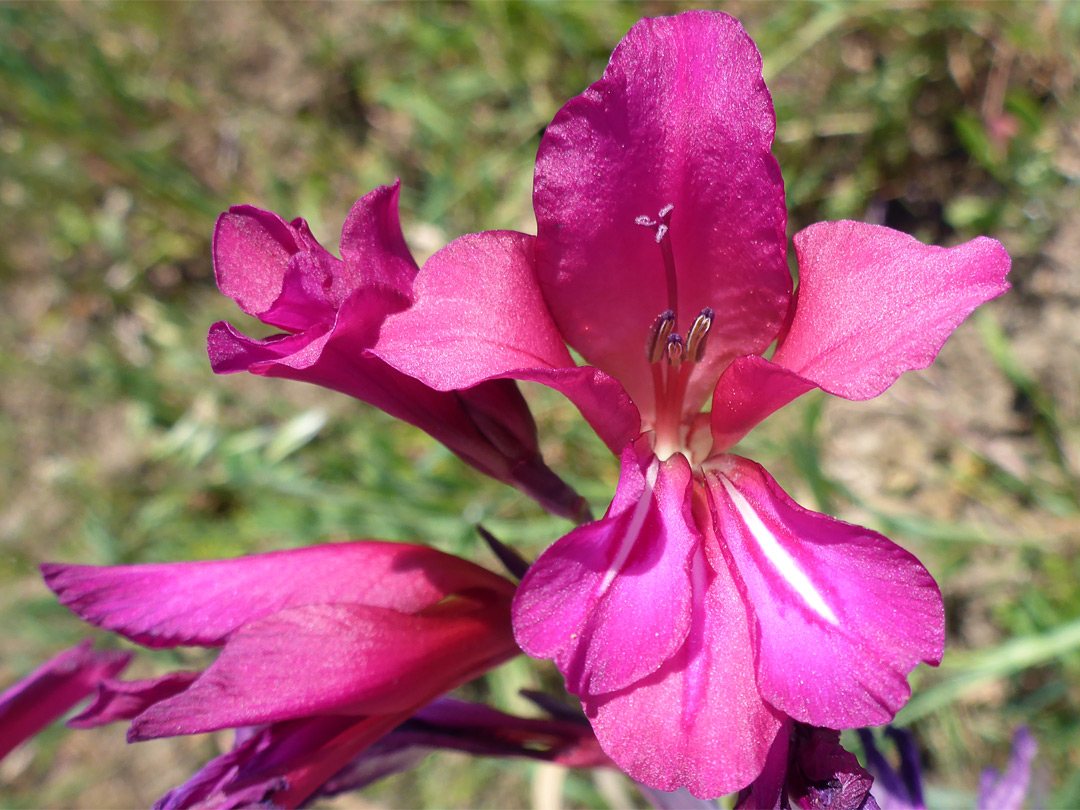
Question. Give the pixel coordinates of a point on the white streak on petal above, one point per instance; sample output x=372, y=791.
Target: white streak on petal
x=634, y=529
x=781, y=560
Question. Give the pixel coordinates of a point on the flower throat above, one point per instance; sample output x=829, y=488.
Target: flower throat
x=670, y=356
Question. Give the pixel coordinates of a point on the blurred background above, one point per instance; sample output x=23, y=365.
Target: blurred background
x=126, y=128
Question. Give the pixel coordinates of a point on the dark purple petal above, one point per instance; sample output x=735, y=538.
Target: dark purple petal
x=808, y=769
x=256, y=767
x=53, y=688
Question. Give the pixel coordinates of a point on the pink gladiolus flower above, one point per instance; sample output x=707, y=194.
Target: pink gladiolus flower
x=331, y=310
x=332, y=645
x=706, y=607
x=53, y=688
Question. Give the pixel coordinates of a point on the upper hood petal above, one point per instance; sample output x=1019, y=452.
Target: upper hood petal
x=681, y=117
x=253, y=252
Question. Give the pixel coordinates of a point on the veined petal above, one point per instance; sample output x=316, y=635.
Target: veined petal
x=610, y=602
x=202, y=603
x=681, y=117
x=478, y=315
x=841, y=613
x=336, y=658
x=123, y=700
x=749, y=390
x=699, y=721
x=873, y=303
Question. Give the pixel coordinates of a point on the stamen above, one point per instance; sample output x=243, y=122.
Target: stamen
x=695, y=339
x=675, y=350
x=658, y=336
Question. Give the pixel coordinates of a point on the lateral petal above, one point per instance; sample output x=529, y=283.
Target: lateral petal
x=749, y=390
x=610, y=602
x=681, y=117
x=699, y=721
x=841, y=613
x=202, y=603
x=478, y=315
x=873, y=303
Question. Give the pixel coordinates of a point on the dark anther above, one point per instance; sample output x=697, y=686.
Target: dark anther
x=695, y=339
x=675, y=349
x=658, y=336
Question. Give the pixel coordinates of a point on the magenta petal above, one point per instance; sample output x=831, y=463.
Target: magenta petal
x=609, y=602
x=256, y=250
x=231, y=352
x=332, y=658
x=681, y=117
x=478, y=315
x=372, y=244
x=52, y=689
x=699, y=721
x=303, y=302
x=201, y=603
x=123, y=700
x=749, y=390
x=251, y=250
x=842, y=613
x=873, y=303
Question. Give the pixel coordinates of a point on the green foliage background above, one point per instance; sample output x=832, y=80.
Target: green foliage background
x=125, y=128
